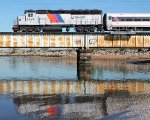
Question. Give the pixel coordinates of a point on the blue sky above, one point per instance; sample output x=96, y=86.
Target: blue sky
x=10, y=9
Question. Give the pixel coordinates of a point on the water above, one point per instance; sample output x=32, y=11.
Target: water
x=35, y=68
x=58, y=69
x=45, y=89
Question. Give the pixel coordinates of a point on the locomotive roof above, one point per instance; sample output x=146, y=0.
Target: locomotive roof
x=95, y=11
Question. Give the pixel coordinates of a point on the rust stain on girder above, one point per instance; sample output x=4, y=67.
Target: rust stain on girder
x=22, y=41
x=116, y=41
x=1, y=41
x=74, y=41
x=146, y=41
x=53, y=41
x=30, y=41
x=68, y=41
x=139, y=41
x=37, y=41
x=15, y=41
x=132, y=41
x=61, y=41
x=124, y=41
x=108, y=41
x=8, y=41
x=100, y=41
x=45, y=41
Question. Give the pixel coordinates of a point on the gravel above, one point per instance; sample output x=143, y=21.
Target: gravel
x=145, y=52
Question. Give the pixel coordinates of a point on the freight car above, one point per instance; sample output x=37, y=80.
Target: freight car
x=59, y=20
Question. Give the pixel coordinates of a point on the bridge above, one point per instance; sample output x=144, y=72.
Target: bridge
x=74, y=40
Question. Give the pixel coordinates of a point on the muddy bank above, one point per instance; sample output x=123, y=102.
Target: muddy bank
x=97, y=54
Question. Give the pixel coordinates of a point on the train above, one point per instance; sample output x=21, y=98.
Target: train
x=80, y=21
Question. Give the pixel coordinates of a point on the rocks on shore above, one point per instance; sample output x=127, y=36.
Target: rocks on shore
x=124, y=52
x=145, y=52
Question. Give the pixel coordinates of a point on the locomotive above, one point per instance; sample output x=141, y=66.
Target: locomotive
x=57, y=20
x=80, y=20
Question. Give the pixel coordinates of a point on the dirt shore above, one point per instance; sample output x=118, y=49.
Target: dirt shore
x=119, y=57
x=95, y=58
x=96, y=55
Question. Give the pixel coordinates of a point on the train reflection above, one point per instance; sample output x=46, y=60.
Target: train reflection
x=74, y=99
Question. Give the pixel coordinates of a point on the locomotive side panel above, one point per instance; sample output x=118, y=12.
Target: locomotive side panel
x=37, y=21
x=53, y=19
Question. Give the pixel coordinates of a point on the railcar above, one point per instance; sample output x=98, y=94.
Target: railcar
x=126, y=21
x=59, y=21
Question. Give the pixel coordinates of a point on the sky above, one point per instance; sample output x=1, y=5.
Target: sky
x=10, y=9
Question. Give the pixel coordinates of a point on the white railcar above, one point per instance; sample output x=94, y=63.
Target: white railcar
x=55, y=20
x=127, y=21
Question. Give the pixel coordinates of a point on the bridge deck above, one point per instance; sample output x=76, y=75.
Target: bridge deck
x=74, y=40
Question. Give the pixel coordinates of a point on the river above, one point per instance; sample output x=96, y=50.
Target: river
x=52, y=88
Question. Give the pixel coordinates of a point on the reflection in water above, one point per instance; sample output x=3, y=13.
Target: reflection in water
x=74, y=99
x=61, y=106
x=35, y=68
x=119, y=70
x=77, y=88
x=47, y=89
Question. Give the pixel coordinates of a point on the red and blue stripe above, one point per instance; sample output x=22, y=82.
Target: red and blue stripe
x=55, y=18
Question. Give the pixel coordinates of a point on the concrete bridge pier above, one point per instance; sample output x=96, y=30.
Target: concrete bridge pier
x=84, y=65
